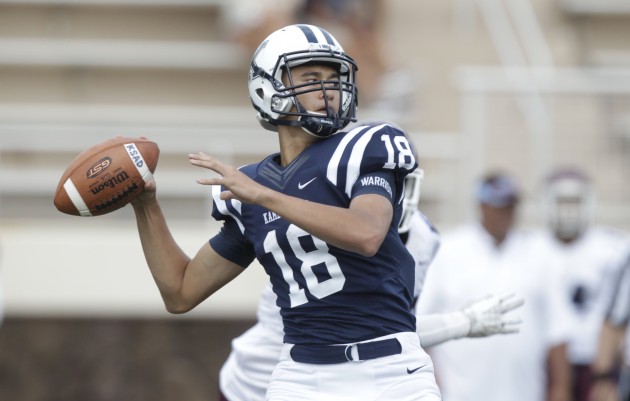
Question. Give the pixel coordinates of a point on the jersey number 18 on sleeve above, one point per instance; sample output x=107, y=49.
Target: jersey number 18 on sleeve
x=406, y=159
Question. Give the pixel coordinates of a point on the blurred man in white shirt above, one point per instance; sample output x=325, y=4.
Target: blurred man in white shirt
x=591, y=259
x=486, y=257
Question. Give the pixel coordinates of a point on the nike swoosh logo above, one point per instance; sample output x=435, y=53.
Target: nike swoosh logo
x=302, y=186
x=410, y=371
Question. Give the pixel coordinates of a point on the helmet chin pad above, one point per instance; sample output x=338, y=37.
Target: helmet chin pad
x=320, y=127
x=319, y=124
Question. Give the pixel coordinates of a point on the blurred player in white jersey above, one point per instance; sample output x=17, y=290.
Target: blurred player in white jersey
x=591, y=258
x=483, y=257
x=611, y=367
x=247, y=371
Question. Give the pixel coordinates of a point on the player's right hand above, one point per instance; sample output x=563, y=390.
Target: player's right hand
x=147, y=194
x=488, y=315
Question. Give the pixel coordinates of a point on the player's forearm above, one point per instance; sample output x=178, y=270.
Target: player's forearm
x=166, y=260
x=434, y=329
x=559, y=374
x=604, y=366
x=610, y=340
x=351, y=229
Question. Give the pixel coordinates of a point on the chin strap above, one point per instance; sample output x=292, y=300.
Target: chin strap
x=316, y=124
x=320, y=125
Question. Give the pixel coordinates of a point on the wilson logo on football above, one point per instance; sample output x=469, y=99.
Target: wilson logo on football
x=99, y=167
x=111, y=183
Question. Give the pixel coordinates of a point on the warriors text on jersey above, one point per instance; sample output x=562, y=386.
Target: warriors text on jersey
x=328, y=295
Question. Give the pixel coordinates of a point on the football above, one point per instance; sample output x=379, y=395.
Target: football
x=106, y=177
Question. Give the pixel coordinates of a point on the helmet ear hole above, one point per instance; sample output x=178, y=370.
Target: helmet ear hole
x=260, y=93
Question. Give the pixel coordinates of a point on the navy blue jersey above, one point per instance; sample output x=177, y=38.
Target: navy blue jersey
x=328, y=295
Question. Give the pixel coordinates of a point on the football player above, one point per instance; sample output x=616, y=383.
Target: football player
x=483, y=256
x=592, y=258
x=321, y=216
x=247, y=371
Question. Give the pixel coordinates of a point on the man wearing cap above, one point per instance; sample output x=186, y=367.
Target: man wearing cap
x=487, y=256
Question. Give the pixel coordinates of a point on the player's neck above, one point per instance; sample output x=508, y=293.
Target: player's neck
x=293, y=141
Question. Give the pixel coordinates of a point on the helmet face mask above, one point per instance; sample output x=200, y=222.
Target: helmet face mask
x=569, y=204
x=274, y=94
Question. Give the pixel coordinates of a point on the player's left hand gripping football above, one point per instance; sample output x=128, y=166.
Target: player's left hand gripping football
x=488, y=315
x=239, y=186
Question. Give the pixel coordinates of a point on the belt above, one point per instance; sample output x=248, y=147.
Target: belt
x=328, y=354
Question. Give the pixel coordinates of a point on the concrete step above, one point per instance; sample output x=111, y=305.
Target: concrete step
x=124, y=86
x=128, y=53
x=134, y=19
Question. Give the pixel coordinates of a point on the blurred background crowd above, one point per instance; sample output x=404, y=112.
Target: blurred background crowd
x=535, y=91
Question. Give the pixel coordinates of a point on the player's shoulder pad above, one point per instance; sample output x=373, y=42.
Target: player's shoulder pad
x=370, y=147
x=610, y=236
x=372, y=122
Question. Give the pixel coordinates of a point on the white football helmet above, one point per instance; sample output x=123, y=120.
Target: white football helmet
x=411, y=199
x=569, y=203
x=289, y=47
